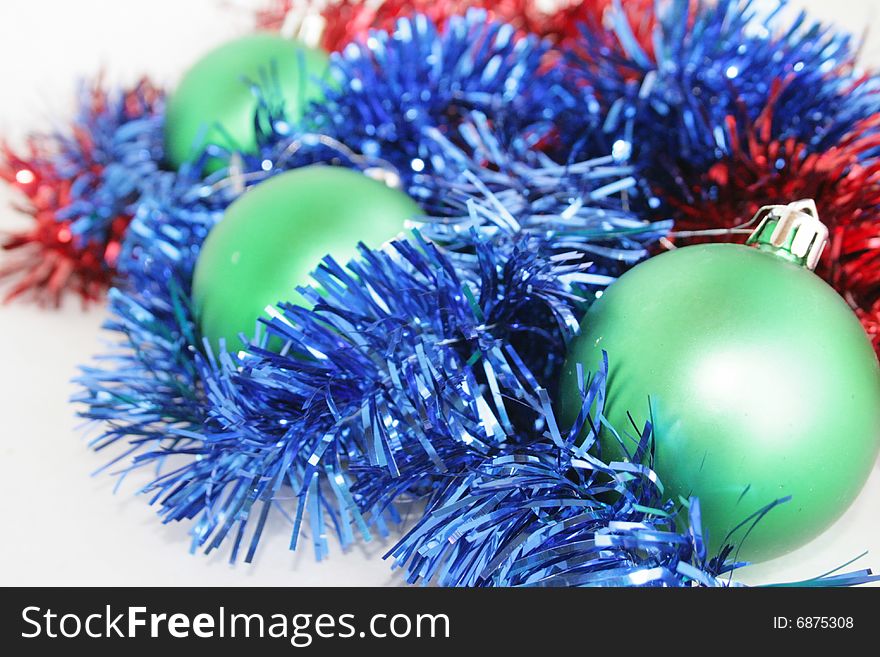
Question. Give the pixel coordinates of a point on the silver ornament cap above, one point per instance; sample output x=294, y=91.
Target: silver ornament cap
x=791, y=231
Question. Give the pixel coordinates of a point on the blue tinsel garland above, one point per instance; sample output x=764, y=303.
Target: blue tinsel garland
x=717, y=61
x=125, y=142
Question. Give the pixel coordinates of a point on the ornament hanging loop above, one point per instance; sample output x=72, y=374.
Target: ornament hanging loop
x=792, y=231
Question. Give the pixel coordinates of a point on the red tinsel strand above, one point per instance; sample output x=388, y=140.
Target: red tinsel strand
x=871, y=321
x=349, y=20
x=47, y=258
x=844, y=181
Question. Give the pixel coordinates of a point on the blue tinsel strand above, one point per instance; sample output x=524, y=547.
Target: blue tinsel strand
x=534, y=518
x=120, y=134
x=714, y=60
x=394, y=88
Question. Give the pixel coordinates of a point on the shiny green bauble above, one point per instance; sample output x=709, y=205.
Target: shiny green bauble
x=215, y=103
x=276, y=234
x=762, y=384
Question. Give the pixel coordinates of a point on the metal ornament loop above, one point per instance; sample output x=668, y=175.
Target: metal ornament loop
x=796, y=229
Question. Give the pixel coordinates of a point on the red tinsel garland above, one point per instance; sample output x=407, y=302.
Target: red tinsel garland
x=49, y=258
x=871, y=321
x=349, y=20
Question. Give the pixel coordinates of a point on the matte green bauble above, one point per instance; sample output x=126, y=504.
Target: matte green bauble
x=274, y=236
x=215, y=103
x=762, y=383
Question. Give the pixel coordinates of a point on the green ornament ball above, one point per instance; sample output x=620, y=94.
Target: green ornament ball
x=214, y=104
x=272, y=238
x=762, y=385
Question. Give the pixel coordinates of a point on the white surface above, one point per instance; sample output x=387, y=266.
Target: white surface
x=62, y=527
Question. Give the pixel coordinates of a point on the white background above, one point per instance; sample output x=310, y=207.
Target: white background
x=59, y=525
